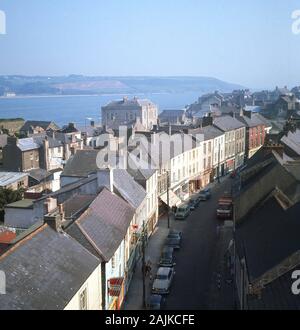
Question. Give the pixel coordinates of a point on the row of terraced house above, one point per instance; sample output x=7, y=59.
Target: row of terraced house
x=74, y=240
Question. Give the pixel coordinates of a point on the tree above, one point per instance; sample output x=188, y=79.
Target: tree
x=8, y=196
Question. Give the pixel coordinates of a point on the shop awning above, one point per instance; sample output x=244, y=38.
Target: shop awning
x=174, y=200
x=115, y=286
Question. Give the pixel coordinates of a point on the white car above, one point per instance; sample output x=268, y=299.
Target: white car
x=163, y=281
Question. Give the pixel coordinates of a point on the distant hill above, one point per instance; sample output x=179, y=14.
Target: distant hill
x=77, y=84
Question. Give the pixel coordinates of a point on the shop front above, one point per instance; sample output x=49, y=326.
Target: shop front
x=230, y=165
x=116, y=293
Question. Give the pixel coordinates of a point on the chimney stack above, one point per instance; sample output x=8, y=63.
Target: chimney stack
x=46, y=153
x=12, y=140
x=105, y=178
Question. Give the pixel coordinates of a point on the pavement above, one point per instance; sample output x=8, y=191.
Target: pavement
x=198, y=263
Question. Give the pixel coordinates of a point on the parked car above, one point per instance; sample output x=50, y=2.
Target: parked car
x=194, y=203
x=175, y=234
x=156, y=302
x=167, y=257
x=163, y=281
x=173, y=242
x=205, y=194
x=182, y=212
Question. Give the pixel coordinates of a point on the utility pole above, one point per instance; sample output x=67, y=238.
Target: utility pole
x=168, y=198
x=144, y=265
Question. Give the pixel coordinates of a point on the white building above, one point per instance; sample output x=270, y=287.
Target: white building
x=126, y=112
x=108, y=229
x=235, y=141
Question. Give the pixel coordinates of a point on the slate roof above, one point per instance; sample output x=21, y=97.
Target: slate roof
x=27, y=144
x=39, y=174
x=76, y=203
x=227, y=123
x=292, y=140
x=35, y=123
x=45, y=271
x=141, y=174
x=40, y=138
x=7, y=178
x=277, y=295
x=268, y=236
x=81, y=164
x=264, y=120
x=106, y=222
x=250, y=122
x=128, y=188
x=171, y=113
x=128, y=103
x=209, y=132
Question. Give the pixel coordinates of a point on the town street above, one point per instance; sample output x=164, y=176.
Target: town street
x=196, y=261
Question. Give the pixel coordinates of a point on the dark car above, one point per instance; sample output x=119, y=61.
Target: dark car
x=205, y=194
x=194, y=203
x=173, y=242
x=156, y=302
x=167, y=257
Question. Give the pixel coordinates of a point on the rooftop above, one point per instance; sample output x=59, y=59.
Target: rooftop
x=227, y=123
x=22, y=204
x=81, y=164
x=39, y=276
x=7, y=178
x=268, y=236
x=129, y=103
x=27, y=144
x=106, y=222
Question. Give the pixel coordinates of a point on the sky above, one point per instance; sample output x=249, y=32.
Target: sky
x=245, y=42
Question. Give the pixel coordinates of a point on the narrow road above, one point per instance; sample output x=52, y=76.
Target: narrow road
x=194, y=269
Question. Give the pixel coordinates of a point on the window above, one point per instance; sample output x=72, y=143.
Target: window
x=83, y=300
x=113, y=262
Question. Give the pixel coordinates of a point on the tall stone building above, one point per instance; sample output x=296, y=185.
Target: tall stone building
x=127, y=112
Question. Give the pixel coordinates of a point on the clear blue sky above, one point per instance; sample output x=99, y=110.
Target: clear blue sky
x=248, y=42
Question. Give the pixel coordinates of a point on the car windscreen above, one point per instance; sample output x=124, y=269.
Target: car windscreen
x=161, y=277
x=224, y=207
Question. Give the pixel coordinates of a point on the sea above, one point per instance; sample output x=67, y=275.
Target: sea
x=81, y=109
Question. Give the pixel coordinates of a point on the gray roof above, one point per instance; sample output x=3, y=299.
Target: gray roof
x=292, y=140
x=254, y=121
x=106, y=222
x=209, y=132
x=171, y=113
x=76, y=204
x=7, y=178
x=129, y=103
x=141, y=174
x=39, y=174
x=40, y=138
x=227, y=123
x=268, y=236
x=277, y=295
x=27, y=144
x=81, y=164
x=35, y=123
x=45, y=271
x=128, y=188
